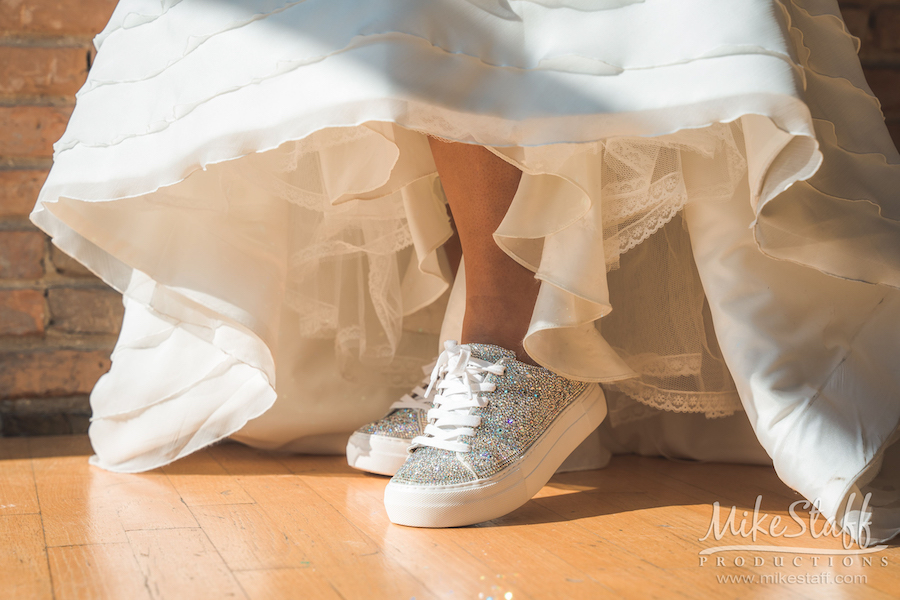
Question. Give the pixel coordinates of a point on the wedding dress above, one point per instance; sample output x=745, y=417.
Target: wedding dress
x=709, y=199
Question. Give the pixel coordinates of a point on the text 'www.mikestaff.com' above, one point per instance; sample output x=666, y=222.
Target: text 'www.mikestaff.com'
x=823, y=578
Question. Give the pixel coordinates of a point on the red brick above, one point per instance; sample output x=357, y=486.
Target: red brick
x=21, y=312
x=869, y=3
x=894, y=129
x=887, y=28
x=75, y=310
x=857, y=20
x=19, y=190
x=66, y=265
x=885, y=82
x=30, y=131
x=54, y=17
x=45, y=416
x=21, y=254
x=50, y=372
x=42, y=71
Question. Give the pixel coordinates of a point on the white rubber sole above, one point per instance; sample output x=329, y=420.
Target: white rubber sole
x=474, y=502
x=376, y=453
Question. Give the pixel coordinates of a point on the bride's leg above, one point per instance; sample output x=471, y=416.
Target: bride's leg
x=498, y=429
x=500, y=293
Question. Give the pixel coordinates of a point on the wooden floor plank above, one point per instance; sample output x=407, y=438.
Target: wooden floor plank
x=359, y=498
x=335, y=547
x=507, y=554
x=739, y=486
x=18, y=495
x=287, y=583
x=201, y=480
x=660, y=526
x=58, y=446
x=23, y=559
x=84, y=505
x=609, y=558
x=96, y=572
x=238, y=459
x=234, y=522
x=248, y=539
x=883, y=578
x=182, y=563
x=352, y=562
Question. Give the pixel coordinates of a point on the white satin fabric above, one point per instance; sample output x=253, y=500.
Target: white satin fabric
x=255, y=178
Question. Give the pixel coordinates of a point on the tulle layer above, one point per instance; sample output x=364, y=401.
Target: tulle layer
x=263, y=176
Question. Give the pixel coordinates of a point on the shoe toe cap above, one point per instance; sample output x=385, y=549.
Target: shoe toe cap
x=433, y=466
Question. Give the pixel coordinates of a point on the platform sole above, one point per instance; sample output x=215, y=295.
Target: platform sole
x=376, y=453
x=474, y=502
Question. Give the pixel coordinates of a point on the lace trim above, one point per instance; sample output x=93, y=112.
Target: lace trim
x=644, y=186
x=711, y=404
x=676, y=365
x=654, y=221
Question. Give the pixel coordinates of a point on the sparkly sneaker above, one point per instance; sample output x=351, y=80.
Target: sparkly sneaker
x=498, y=431
x=380, y=447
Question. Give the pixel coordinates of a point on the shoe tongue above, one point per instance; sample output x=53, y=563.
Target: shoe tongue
x=490, y=352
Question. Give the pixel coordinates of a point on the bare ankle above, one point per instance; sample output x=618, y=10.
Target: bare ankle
x=512, y=344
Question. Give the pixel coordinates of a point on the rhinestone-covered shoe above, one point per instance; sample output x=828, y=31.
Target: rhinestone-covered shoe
x=498, y=431
x=381, y=447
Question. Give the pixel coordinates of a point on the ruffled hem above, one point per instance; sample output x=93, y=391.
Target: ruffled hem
x=242, y=229
x=843, y=220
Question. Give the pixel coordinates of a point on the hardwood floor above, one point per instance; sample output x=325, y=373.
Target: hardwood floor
x=234, y=522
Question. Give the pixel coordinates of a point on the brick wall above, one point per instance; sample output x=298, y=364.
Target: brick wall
x=58, y=322
x=877, y=24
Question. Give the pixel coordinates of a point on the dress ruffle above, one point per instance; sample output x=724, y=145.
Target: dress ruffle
x=249, y=174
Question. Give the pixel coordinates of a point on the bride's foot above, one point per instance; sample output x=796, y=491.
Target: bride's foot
x=381, y=446
x=498, y=431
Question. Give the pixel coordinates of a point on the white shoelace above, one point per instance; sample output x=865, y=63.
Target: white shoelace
x=460, y=381
x=418, y=398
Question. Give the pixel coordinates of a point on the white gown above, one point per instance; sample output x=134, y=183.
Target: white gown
x=709, y=195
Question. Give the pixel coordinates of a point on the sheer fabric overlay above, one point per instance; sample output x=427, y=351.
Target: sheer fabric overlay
x=260, y=185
